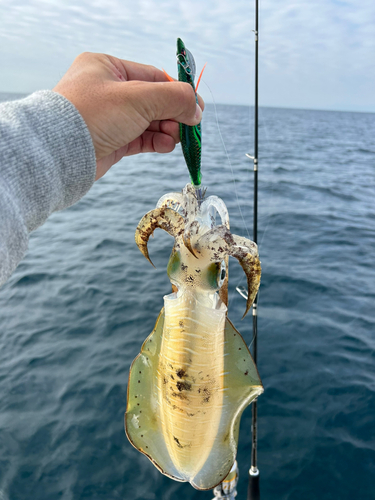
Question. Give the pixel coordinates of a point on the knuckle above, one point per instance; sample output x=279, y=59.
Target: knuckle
x=188, y=91
x=188, y=95
x=85, y=55
x=153, y=70
x=84, y=58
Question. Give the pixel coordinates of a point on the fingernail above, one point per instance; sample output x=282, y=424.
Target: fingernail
x=198, y=113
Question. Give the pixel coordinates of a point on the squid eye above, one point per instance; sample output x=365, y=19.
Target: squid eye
x=223, y=273
x=174, y=264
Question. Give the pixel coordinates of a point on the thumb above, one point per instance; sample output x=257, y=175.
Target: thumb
x=170, y=101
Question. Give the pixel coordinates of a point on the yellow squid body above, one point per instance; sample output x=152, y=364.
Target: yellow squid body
x=194, y=376
x=191, y=380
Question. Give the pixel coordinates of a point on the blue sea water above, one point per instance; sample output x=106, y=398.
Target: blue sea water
x=76, y=311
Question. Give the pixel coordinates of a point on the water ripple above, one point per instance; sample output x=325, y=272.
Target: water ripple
x=76, y=311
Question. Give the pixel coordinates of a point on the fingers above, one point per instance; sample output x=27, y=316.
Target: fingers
x=128, y=107
x=151, y=141
x=136, y=71
x=143, y=72
x=168, y=127
x=164, y=101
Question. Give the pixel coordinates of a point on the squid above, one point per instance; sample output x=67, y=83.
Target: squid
x=194, y=375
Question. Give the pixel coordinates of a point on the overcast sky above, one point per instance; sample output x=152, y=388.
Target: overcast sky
x=317, y=54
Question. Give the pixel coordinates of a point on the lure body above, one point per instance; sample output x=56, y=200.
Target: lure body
x=190, y=136
x=195, y=375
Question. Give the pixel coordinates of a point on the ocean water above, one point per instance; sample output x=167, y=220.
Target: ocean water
x=76, y=311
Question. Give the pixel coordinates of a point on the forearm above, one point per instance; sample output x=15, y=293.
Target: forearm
x=47, y=163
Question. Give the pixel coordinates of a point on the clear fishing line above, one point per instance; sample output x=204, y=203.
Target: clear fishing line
x=268, y=217
x=228, y=158
x=231, y=296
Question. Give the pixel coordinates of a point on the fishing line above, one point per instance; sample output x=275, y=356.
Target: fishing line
x=228, y=158
x=232, y=295
x=267, y=141
x=230, y=298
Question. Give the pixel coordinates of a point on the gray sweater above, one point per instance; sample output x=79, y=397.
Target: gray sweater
x=47, y=163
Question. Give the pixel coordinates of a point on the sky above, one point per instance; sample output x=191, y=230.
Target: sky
x=314, y=54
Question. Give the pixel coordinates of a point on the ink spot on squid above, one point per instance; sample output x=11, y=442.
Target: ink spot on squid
x=206, y=395
x=181, y=373
x=175, y=407
x=177, y=441
x=180, y=396
x=183, y=386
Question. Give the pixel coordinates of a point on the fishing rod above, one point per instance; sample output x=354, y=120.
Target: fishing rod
x=253, y=491
x=227, y=489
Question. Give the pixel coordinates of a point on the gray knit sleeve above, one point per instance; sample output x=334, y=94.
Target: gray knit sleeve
x=47, y=163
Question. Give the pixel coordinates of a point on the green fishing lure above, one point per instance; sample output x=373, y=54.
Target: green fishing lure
x=190, y=137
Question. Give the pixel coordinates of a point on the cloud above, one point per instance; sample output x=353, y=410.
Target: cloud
x=312, y=54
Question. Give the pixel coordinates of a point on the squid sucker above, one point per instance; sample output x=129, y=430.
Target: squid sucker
x=194, y=375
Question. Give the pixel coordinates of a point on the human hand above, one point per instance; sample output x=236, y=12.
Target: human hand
x=129, y=108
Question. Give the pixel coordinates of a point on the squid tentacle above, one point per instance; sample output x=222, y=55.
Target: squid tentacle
x=221, y=242
x=191, y=203
x=219, y=206
x=174, y=201
x=191, y=231
x=165, y=218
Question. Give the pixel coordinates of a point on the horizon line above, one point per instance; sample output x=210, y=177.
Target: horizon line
x=243, y=105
